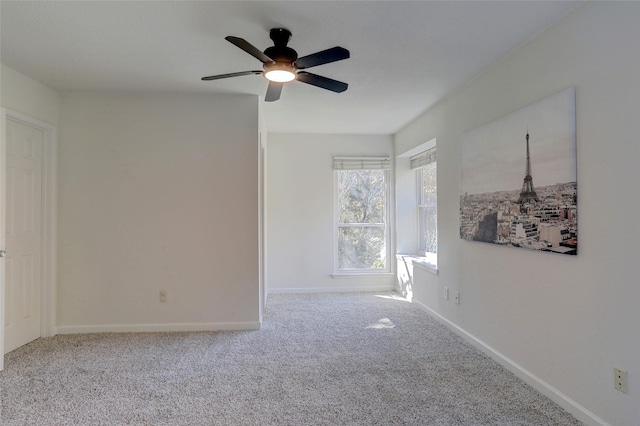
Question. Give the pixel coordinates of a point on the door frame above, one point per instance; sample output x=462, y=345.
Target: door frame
x=49, y=221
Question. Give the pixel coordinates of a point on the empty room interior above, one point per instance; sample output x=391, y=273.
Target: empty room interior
x=158, y=178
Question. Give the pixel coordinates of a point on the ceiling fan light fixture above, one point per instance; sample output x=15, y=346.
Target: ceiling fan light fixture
x=279, y=72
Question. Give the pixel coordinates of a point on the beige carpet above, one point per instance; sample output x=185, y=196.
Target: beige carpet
x=320, y=359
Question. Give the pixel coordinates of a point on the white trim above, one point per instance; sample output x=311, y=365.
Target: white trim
x=368, y=289
x=360, y=274
x=577, y=410
x=151, y=328
x=49, y=218
x=3, y=184
x=261, y=227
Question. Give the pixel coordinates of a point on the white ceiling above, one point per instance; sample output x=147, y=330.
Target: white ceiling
x=405, y=56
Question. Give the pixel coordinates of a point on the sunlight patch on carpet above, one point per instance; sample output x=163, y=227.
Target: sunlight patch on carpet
x=382, y=323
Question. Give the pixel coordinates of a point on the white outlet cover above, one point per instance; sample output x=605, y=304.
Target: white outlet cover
x=620, y=378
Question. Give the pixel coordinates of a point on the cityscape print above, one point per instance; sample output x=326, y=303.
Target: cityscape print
x=518, y=183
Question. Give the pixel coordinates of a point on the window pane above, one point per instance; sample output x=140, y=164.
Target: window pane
x=361, y=196
x=361, y=247
x=429, y=229
x=427, y=209
x=429, y=185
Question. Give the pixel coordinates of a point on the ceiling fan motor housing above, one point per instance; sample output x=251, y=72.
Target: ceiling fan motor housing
x=279, y=52
x=280, y=36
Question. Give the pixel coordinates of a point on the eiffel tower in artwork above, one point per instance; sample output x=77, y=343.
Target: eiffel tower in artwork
x=528, y=194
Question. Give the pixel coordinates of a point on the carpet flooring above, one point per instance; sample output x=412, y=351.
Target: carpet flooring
x=320, y=359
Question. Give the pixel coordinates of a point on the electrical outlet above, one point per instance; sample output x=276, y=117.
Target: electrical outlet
x=457, y=297
x=446, y=293
x=620, y=378
x=163, y=296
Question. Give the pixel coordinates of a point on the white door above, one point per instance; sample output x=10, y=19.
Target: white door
x=23, y=278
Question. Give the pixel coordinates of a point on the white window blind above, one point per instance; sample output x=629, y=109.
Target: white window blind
x=361, y=163
x=424, y=158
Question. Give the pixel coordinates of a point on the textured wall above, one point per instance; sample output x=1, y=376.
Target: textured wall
x=158, y=193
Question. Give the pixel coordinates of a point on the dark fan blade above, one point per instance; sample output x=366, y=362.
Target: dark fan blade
x=233, y=74
x=323, y=82
x=249, y=48
x=326, y=56
x=273, y=92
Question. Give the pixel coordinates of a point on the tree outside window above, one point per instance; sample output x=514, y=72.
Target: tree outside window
x=427, y=209
x=362, y=197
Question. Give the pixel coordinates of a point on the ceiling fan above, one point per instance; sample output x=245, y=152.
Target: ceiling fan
x=281, y=64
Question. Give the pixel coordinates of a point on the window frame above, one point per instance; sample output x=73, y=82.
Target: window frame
x=386, y=225
x=421, y=205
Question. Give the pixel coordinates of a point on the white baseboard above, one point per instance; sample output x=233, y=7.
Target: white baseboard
x=341, y=289
x=137, y=328
x=577, y=410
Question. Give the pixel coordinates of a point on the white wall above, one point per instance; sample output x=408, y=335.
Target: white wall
x=300, y=210
x=158, y=193
x=566, y=320
x=27, y=96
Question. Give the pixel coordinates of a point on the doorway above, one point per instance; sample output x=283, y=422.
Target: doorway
x=27, y=228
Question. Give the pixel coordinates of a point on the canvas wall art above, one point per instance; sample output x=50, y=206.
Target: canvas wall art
x=518, y=184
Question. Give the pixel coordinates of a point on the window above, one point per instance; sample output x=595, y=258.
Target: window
x=362, y=198
x=425, y=166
